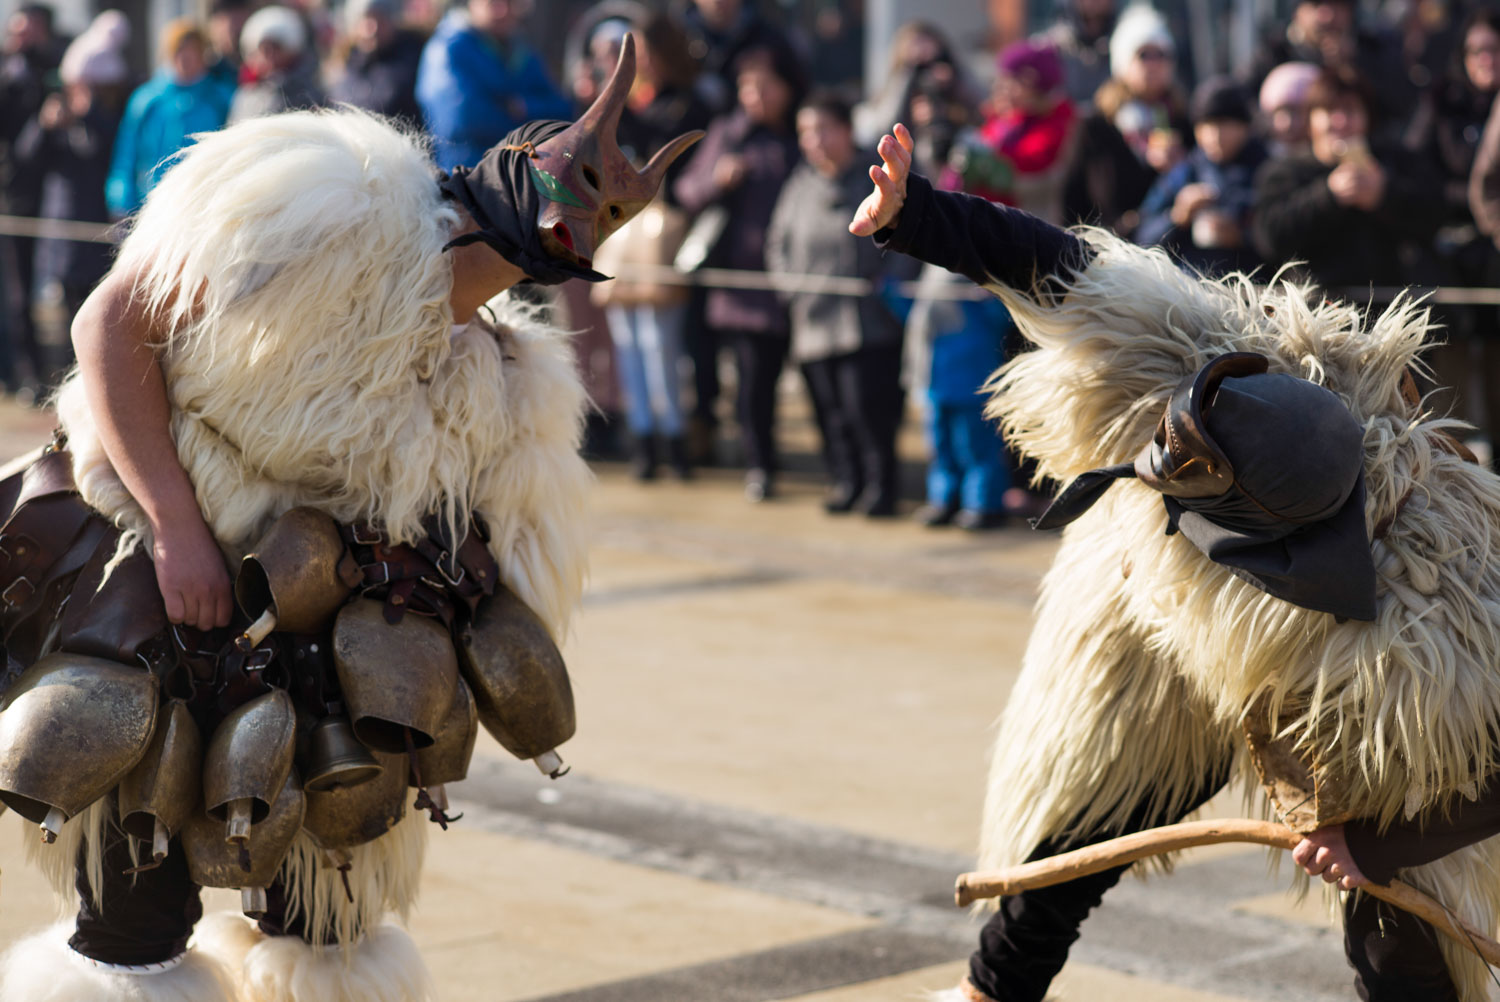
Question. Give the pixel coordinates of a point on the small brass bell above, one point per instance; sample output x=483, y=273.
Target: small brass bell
x=336, y=759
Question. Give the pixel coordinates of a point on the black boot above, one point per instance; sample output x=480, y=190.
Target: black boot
x=643, y=457
x=677, y=457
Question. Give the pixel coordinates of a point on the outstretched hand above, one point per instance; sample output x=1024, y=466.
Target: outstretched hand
x=1325, y=853
x=881, y=207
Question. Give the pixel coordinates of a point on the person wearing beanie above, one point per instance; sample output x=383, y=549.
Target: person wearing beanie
x=1020, y=153
x=1202, y=209
x=1142, y=98
x=163, y=114
x=1329, y=35
x=1355, y=210
x=279, y=74
x=1283, y=107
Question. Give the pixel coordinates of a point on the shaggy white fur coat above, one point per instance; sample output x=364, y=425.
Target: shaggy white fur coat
x=1134, y=626
x=318, y=365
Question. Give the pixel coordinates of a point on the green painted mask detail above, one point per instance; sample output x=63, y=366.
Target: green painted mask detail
x=552, y=189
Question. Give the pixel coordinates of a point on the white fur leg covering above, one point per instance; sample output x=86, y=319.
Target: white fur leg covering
x=227, y=938
x=382, y=967
x=43, y=968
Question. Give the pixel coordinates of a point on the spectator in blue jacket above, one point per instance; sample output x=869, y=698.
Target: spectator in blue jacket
x=478, y=79
x=1201, y=209
x=163, y=115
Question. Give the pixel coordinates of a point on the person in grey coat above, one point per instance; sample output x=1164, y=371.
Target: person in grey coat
x=848, y=346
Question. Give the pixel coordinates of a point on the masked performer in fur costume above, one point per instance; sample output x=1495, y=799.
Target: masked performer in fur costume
x=288, y=365
x=1293, y=553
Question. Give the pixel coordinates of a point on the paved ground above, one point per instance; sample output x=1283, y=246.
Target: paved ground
x=783, y=720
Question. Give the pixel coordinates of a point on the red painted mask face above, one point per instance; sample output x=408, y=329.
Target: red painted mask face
x=589, y=188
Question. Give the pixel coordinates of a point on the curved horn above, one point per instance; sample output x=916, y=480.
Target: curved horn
x=603, y=116
x=656, y=169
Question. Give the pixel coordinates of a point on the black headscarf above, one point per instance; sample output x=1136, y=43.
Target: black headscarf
x=499, y=194
x=1293, y=522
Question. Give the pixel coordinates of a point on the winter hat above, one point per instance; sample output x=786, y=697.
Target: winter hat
x=97, y=57
x=1138, y=27
x=1038, y=61
x=1219, y=98
x=281, y=25
x=1287, y=84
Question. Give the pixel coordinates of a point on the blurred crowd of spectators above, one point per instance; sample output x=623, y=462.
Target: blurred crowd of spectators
x=1363, y=148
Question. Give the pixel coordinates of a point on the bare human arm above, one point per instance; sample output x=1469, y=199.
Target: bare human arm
x=122, y=379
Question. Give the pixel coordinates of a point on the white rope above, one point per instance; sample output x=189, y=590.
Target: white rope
x=161, y=968
x=785, y=283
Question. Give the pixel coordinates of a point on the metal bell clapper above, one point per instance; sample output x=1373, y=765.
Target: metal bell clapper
x=336, y=758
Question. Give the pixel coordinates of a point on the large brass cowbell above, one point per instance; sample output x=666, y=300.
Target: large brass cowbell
x=519, y=680
x=297, y=577
x=397, y=678
x=166, y=786
x=71, y=727
x=248, y=761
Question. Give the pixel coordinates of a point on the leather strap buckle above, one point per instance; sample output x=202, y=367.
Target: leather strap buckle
x=18, y=593
x=444, y=561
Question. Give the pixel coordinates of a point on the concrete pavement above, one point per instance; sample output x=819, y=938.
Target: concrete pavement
x=783, y=720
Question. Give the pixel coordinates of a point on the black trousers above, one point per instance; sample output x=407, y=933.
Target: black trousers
x=857, y=401
x=147, y=918
x=1022, y=948
x=702, y=343
x=759, y=359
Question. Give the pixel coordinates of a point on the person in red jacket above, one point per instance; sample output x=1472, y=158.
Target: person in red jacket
x=1020, y=154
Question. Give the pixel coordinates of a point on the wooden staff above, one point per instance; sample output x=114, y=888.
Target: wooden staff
x=1155, y=841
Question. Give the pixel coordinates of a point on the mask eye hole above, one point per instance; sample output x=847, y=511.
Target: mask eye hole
x=591, y=177
x=616, y=213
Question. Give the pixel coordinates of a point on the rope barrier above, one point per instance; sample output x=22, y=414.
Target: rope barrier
x=785, y=283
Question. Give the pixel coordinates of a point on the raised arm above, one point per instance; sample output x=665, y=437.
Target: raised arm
x=113, y=336
x=986, y=243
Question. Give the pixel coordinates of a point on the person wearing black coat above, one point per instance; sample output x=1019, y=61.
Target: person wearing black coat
x=1357, y=215
x=380, y=73
x=740, y=166
x=1447, y=129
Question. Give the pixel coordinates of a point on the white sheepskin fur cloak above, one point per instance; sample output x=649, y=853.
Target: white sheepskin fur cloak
x=1146, y=658
x=43, y=968
x=317, y=365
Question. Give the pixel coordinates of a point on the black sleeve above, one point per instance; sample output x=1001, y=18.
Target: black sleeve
x=984, y=242
x=1424, y=838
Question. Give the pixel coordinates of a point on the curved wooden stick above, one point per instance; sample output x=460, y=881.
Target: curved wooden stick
x=1155, y=841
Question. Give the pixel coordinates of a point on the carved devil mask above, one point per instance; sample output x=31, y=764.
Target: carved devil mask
x=588, y=186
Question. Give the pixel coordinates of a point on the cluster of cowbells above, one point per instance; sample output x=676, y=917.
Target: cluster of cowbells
x=74, y=728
